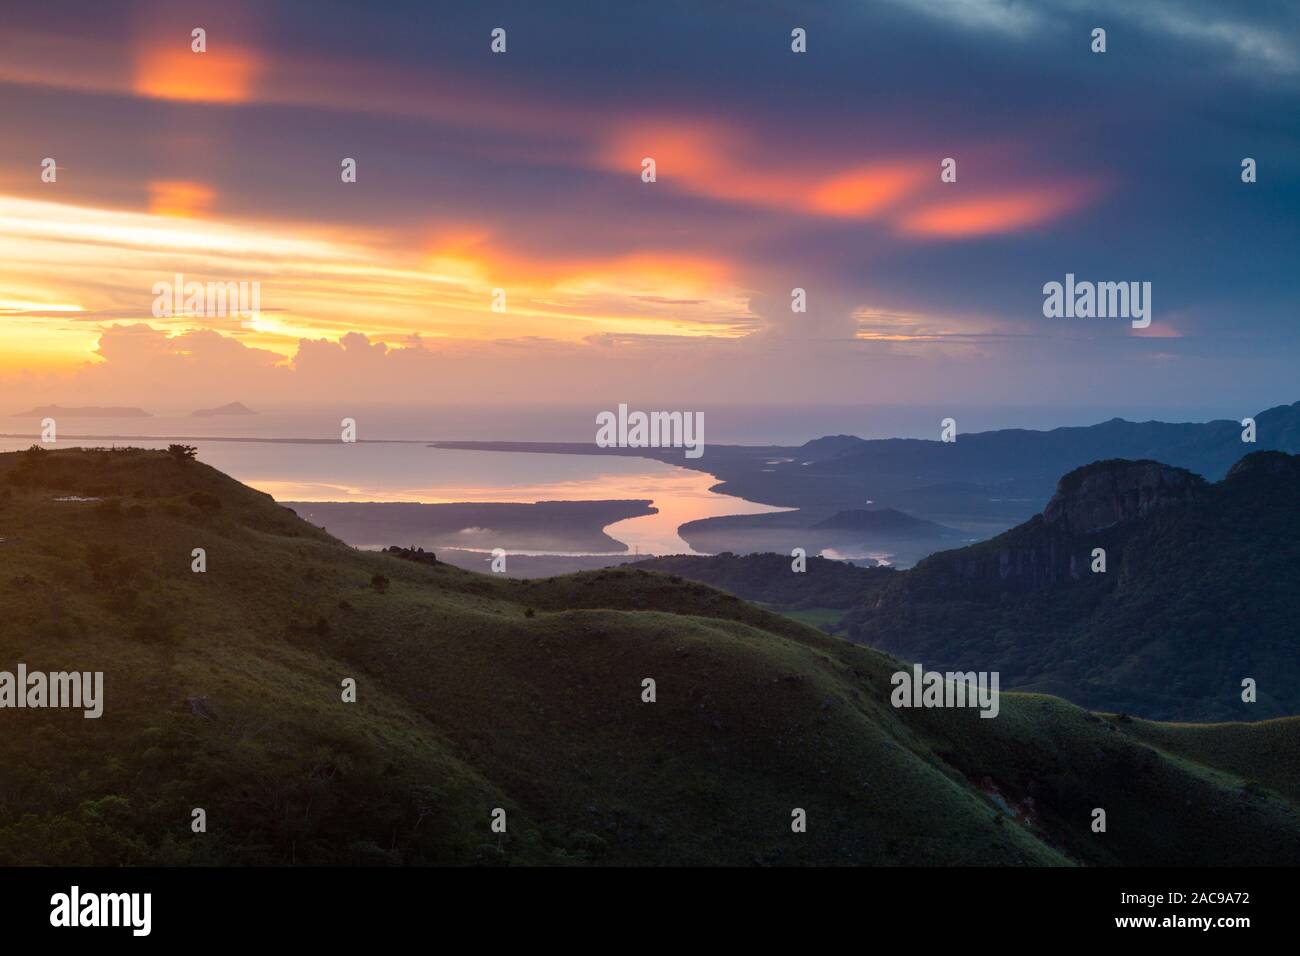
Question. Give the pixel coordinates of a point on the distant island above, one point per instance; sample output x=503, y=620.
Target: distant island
x=234, y=408
x=84, y=411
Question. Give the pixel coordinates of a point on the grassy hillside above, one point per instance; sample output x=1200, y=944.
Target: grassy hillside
x=768, y=577
x=1265, y=754
x=819, y=596
x=477, y=692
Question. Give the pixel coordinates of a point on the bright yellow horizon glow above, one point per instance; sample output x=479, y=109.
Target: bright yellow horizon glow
x=69, y=271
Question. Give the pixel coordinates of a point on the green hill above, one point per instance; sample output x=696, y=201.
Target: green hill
x=476, y=692
x=768, y=578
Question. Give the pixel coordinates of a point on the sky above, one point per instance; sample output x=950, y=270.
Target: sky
x=522, y=171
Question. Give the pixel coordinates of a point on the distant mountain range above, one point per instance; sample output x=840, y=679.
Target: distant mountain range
x=1208, y=448
x=980, y=484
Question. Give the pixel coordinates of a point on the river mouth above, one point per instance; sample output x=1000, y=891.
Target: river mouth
x=414, y=472
x=678, y=494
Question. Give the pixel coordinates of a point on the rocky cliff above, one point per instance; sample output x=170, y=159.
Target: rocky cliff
x=1091, y=506
x=1107, y=493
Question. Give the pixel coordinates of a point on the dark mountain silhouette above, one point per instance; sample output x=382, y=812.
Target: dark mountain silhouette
x=1208, y=448
x=831, y=446
x=882, y=521
x=1198, y=594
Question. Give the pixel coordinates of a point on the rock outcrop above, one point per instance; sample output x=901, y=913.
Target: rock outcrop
x=1057, y=545
x=1107, y=493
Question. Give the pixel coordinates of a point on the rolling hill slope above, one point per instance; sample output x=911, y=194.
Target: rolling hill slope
x=475, y=693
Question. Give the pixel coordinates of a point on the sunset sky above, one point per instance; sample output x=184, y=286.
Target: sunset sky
x=522, y=171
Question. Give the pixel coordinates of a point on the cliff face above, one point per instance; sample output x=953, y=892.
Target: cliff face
x=1107, y=493
x=1056, y=546
x=1030, y=560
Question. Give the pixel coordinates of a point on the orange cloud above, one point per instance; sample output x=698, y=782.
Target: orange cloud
x=177, y=198
x=863, y=192
x=668, y=276
x=649, y=292
x=224, y=74
x=988, y=215
x=468, y=252
x=708, y=160
x=722, y=162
